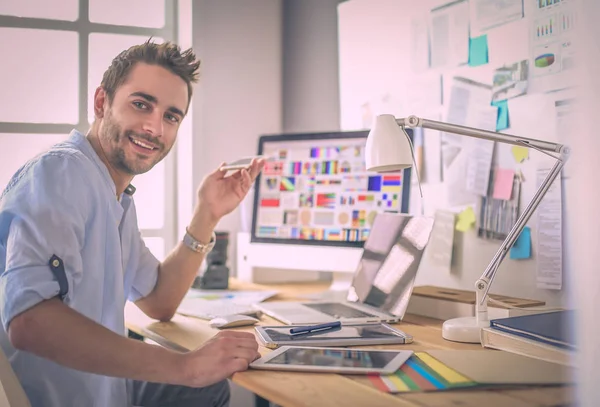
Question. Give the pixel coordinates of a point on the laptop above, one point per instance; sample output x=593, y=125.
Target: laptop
x=382, y=283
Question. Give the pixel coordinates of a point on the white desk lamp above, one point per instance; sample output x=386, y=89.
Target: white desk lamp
x=388, y=149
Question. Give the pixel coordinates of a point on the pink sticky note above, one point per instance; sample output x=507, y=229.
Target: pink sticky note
x=503, y=184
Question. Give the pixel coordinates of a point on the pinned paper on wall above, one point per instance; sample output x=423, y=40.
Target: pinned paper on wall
x=442, y=239
x=449, y=34
x=466, y=220
x=503, y=183
x=478, y=51
x=502, y=122
x=549, y=235
x=522, y=248
x=520, y=153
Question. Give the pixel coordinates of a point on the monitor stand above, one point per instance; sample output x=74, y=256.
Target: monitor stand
x=341, y=261
x=337, y=290
x=340, y=282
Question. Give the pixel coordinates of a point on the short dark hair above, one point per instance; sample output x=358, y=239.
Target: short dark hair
x=167, y=55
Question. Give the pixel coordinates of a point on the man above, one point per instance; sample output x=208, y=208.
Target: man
x=71, y=253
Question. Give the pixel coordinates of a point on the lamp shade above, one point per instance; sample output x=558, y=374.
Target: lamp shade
x=388, y=148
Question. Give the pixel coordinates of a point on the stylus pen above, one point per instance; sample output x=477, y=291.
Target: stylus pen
x=314, y=328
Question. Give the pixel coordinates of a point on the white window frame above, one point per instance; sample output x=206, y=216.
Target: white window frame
x=82, y=26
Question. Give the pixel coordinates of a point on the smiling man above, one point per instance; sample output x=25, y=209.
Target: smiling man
x=71, y=253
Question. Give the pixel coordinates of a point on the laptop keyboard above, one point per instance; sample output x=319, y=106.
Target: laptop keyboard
x=338, y=310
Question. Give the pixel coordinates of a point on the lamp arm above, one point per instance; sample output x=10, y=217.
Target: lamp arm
x=483, y=284
x=413, y=121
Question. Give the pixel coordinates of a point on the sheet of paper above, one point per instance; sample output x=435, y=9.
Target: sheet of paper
x=466, y=220
x=486, y=14
x=520, y=153
x=510, y=81
x=450, y=34
x=432, y=153
x=424, y=95
x=549, y=235
x=479, y=165
x=565, y=116
x=503, y=183
x=553, y=42
x=467, y=161
x=442, y=239
x=521, y=250
x=419, y=48
x=502, y=121
x=478, y=51
x=238, y=297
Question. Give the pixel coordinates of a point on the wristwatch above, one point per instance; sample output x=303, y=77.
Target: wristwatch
x=193, y=244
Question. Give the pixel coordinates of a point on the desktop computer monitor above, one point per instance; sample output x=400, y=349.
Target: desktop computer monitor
x=314, y=190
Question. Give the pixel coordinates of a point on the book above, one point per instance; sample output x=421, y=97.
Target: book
x=552, y=328
x=500, y=340
x=446, y=303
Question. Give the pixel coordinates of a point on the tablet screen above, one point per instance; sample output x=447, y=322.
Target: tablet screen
x=334, y=357
x=367, y=331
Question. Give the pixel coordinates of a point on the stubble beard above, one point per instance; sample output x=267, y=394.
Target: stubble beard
x=114, y=137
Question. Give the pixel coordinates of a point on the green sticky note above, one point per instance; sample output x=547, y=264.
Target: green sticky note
x=502, y=122
x=478, y=51
x=522, y=247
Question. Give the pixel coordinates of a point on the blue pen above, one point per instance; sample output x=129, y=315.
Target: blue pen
x=314, y=328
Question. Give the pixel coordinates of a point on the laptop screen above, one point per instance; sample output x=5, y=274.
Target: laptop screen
x=391, y=257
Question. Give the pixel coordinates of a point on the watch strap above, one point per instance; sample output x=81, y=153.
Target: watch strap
x=193, y=244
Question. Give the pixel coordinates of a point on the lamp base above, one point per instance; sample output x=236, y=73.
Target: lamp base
x=464, y=329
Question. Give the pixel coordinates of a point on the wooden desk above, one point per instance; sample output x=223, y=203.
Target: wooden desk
x=324, y=389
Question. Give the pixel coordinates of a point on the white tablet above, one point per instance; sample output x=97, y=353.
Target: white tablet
x=346, y=335
x=335, y=360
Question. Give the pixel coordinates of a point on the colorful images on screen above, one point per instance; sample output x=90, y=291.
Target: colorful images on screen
x=322, y=192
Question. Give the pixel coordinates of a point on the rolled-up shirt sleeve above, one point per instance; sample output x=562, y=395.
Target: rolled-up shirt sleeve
x=43, y=218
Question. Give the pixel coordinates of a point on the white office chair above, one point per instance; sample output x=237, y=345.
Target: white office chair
x=11, y=391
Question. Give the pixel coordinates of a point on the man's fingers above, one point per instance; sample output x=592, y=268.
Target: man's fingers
x=237, y=365
x=219, y=173
x=256, y=168
x=236, y=334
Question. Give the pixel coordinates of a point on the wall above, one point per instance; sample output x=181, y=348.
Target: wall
x=310, y=66
x=584, y=222
x=375, y=59
x=239, y=94
x=267, y=67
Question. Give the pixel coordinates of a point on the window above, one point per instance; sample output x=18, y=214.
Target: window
x=73, y=42
x=27, y=94
x=67, y=10
x=137, y=13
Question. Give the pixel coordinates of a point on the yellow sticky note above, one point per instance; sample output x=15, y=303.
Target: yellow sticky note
x=466, y=220
x=520, y=153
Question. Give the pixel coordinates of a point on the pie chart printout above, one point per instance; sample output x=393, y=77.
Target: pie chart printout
x=544, y=60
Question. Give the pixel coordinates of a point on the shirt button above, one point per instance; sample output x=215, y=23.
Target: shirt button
x=55, y=263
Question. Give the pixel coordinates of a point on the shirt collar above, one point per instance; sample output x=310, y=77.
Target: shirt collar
x=81, y=141
x=85, y=146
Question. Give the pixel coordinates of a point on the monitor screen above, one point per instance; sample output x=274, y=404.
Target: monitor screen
x=315, y=190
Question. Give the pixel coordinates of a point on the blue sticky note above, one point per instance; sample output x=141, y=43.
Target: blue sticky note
x=522, y=247
x=478, y=51
x=502, y=122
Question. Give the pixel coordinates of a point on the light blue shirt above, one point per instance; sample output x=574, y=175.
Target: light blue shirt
x=63, y=203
